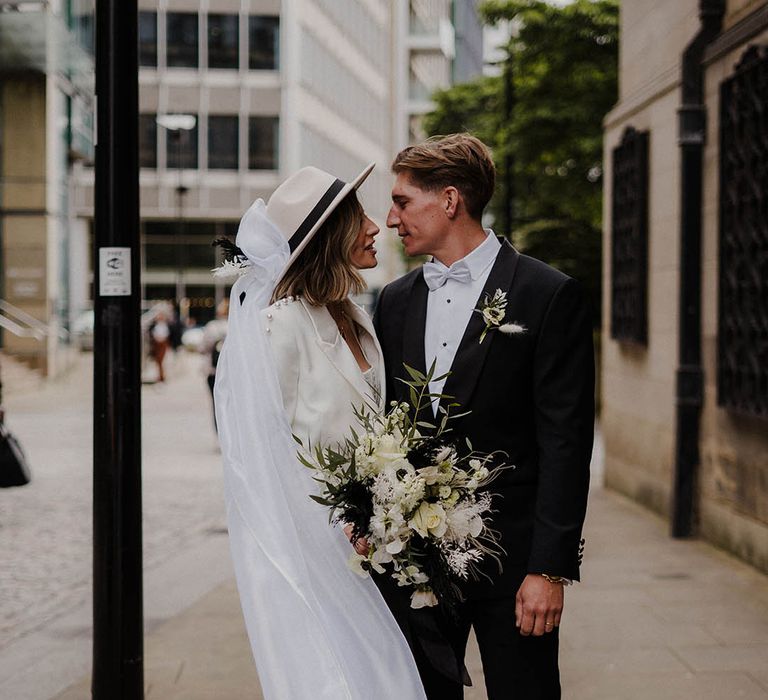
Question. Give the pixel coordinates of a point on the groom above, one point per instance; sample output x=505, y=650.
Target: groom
x=529, y=388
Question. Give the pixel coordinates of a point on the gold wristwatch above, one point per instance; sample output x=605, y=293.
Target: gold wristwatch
x=556, y=579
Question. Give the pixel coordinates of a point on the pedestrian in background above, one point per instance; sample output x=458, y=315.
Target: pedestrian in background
x=159, y=342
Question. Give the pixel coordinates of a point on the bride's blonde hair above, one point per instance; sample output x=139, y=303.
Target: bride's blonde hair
x=323, y=272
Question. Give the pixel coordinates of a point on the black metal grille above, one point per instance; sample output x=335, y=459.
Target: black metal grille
x=742, y=367
x=629, y=239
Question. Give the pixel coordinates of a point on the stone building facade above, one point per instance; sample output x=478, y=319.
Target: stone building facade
x=46, y=128
x=685, y=350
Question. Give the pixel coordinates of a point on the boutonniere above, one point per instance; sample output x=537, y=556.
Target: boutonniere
x=493, y=309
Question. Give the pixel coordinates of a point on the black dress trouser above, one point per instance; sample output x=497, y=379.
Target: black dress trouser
x=515, y=667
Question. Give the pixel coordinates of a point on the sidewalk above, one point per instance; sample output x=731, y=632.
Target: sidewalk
x=654, y=619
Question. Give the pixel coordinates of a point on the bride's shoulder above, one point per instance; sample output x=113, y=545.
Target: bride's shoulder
x=284, y=312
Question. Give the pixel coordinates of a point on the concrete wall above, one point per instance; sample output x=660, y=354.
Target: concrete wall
x=639, y=382
x=638, y=402
x=734, y=449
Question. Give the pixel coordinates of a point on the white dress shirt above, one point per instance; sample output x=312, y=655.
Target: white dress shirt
x=450, y=307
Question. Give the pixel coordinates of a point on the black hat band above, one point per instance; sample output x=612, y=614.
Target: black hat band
x=312, y=218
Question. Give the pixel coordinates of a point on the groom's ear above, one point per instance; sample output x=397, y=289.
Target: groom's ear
x=451, y=199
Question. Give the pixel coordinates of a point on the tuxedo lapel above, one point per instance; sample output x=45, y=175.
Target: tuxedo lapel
x=415, y=318
x=471, y=353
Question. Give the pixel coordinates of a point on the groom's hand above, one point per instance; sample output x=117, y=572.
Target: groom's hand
x=538, y=606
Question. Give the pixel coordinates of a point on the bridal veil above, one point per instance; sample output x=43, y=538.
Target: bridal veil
x=317, y=630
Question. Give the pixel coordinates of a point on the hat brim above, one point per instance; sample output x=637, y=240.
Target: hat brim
x=338, y=199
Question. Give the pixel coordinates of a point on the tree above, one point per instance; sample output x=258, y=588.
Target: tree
x=561, y=67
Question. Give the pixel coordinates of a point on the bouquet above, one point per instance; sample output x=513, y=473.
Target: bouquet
x=415, y=498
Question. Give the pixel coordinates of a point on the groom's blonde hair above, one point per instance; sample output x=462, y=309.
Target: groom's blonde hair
x=323, y=271
x=456, y=160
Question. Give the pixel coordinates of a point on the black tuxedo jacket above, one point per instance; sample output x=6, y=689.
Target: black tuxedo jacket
x=530, y=395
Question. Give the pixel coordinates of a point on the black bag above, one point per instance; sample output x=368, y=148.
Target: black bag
x=14, y=470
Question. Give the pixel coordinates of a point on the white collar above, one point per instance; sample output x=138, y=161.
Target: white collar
x=478, y=260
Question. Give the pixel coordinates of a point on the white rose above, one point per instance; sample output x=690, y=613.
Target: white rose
x=429, y=519
x=423, y=599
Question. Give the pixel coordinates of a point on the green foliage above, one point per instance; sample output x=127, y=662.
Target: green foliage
x=543, y=119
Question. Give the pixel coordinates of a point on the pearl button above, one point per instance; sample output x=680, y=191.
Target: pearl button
x=269, y=316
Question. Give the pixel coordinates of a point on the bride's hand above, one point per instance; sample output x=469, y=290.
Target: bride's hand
x=361, y=545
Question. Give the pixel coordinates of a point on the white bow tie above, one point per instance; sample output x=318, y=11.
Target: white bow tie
x=437, y=274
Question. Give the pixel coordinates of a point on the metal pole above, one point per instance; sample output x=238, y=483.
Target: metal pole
x=118, y=654
x=690, y=375
x=179, y=134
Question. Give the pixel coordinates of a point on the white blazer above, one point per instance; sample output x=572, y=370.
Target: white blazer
x=320, y=379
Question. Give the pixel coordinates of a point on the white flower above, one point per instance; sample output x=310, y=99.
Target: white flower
x=493, y=311
x=379, y=557
x=435, y=475
x=475, y=463
x=423, y=599
x=445, y=492
x=493, y=316
x=355, y=563
x=429, y=519
x=459, y=560
x=413, y=492
x=453, y=498
x=465, y=520
x=229, y=271
x=387, y=452
x=446, y=455
x=481, y=474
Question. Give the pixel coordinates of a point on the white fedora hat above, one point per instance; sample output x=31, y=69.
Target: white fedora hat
x=301, y=204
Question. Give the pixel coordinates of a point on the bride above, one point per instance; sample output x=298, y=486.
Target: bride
x=298, y=358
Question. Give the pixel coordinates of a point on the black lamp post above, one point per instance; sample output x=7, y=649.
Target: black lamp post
x=118, y=630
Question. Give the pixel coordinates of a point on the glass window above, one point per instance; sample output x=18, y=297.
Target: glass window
x=223, y=44
x=181, y=148
x=147, y=141
x=147, y=38
x=182, y=39
x=263, y=143
x=263, y=42
x=222, y=143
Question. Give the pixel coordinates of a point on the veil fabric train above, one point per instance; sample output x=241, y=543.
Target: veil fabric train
x=316, y=629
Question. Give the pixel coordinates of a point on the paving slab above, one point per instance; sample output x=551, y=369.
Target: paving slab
x=654, y=618
x=619, y=642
